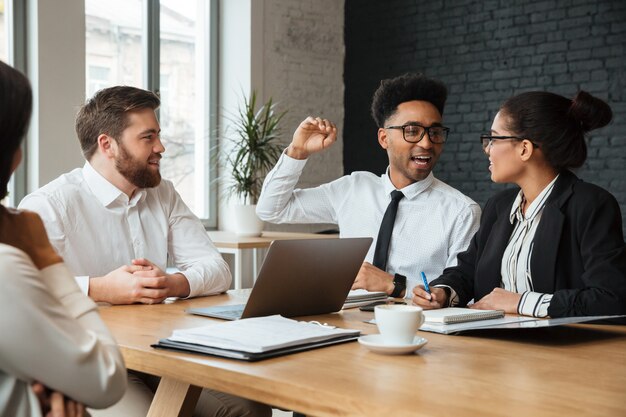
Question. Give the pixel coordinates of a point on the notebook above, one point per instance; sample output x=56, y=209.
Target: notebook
x=256, y=338
x=452, y=315
x=300, y=278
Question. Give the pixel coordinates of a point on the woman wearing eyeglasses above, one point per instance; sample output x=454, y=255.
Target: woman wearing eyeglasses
x=554, y=246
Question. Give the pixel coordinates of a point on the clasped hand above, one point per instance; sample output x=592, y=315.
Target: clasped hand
x=142, y=282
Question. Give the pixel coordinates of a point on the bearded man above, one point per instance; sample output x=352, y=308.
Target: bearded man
x=115, y=222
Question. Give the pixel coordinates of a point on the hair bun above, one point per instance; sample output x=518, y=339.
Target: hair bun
x=591, y=112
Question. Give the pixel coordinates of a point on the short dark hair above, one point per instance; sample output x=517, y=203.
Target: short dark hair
x=106, y=112
x=16, y=102
x=556, y=123
x=408, y=87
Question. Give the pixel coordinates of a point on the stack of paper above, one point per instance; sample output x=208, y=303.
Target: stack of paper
x=357, y=298
x=256, y=338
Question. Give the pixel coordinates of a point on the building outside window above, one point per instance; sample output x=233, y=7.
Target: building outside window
x=116, y=55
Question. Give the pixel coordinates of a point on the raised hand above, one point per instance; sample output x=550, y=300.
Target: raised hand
x=313, y=135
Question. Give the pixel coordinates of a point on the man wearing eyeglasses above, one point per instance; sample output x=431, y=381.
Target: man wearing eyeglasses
x=419, y=223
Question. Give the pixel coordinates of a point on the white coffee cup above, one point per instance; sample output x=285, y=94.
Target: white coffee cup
x=398, y=323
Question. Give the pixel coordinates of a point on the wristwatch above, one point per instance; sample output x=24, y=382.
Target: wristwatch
x=399, y=285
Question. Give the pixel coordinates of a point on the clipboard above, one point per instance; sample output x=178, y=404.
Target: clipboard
x=248, y=356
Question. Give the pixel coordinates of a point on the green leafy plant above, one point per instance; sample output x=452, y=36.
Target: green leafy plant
x=254, y=149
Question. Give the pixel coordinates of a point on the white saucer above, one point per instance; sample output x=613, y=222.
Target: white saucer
x=374, y=342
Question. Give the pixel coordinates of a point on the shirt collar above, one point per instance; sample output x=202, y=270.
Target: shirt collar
x=410, y=191
x=104, y=191
x=536, y=206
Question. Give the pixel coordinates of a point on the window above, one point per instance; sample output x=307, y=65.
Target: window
x=129, y=43
x=4, y=38
x=12, y=52
x=4, y=46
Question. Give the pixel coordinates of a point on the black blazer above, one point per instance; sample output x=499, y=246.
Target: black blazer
x=579, y=253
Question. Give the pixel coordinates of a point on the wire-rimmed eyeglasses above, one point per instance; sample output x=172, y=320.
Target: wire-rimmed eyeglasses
x=486, y=140
x=414, y=132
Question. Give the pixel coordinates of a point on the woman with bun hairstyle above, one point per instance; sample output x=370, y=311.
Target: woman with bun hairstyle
x=554, y=246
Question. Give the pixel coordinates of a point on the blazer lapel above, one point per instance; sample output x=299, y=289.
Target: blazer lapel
x=548, y=235
x=490, y=262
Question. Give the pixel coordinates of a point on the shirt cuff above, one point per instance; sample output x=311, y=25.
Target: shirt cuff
x=83, y=283
x=453, y=300
x=290, y=165
x=534, y=304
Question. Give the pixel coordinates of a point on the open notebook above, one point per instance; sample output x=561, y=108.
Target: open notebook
x=453, y=315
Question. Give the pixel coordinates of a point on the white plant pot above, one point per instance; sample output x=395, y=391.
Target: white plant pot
x=247, y=223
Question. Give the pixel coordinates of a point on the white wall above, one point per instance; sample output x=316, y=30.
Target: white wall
x=292, y=51
x=56, y=68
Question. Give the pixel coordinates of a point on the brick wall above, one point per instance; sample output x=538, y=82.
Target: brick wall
x=487, y=51
x=303, y=72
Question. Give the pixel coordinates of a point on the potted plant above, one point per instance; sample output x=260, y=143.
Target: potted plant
x=253, y=149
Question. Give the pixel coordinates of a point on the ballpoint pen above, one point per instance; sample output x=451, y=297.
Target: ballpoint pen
x=426, y=287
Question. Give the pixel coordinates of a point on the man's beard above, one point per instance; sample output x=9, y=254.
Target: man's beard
x=137, y=173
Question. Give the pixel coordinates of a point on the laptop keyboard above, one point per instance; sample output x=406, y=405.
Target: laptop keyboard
x=232, y=314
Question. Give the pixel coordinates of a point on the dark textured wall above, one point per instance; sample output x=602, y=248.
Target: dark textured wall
x=487, y=51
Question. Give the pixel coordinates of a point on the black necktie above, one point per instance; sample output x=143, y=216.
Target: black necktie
x=384, y=234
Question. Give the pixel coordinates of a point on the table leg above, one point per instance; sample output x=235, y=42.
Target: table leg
x=238, y=268
x=255, y=264
x=174, y=398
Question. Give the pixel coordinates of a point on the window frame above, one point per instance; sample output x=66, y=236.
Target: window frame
x=15, y=15
x=151, y=50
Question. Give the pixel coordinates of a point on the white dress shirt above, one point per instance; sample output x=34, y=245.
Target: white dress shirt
x=433, y=224
x=52, y=333
x=96, y=228
x=515, y=269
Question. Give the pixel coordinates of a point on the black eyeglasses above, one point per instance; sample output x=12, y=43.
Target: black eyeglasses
x=413, y=132
x=486, y=140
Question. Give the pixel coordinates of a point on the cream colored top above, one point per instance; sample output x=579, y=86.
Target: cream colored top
x=52, y=333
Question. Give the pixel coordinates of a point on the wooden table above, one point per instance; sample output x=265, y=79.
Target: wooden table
x=577, y=370
x=229, y=242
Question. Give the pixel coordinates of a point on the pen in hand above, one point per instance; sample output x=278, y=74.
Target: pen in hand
x=426, y=287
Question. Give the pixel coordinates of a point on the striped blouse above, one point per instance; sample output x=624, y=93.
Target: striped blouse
x=515, y=268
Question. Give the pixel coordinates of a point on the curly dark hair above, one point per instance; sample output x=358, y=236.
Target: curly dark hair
x=16, y=102
x=556, y=123
x=408, y=87
x=107, y=112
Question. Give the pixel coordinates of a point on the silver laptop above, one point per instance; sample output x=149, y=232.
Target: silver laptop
x=300, y=278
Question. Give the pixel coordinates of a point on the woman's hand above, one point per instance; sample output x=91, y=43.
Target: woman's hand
x=25, y=230
x=499, y=299
x=55, y=404
x=437, y=298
